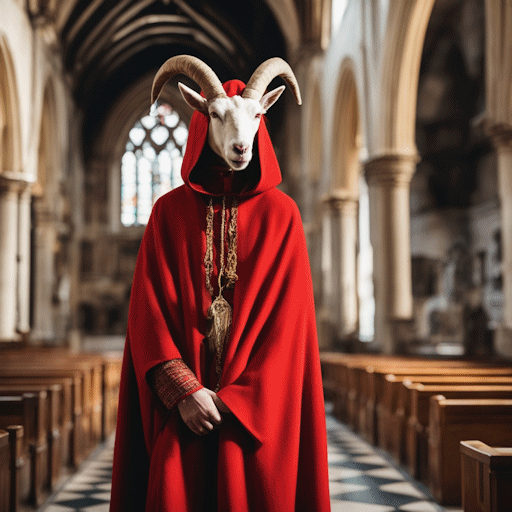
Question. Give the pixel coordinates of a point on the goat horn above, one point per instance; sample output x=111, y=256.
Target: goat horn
x=195, y=69
x=265, y=73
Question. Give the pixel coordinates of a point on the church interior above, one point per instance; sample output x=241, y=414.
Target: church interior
x=400, y=161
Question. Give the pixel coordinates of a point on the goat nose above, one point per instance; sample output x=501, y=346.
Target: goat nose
x=239, y=148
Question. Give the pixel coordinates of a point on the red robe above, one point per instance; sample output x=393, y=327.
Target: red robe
x=272, y=451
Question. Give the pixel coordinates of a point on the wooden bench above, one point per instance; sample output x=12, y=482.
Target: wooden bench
x=340, y=373
x=74, y=424
x=387, y=397
x=372, y=385
x=486, y=477
x=29, y=411
x=112, y=364
x=403, y=385
x=91, y=372
x=417, y=424
x=10, y=467
x=105, y=380
x=5, y=471
x=452, y=421
x=53, y=425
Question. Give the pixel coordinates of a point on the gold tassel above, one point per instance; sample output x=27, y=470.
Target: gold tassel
x=220, y=313
x=219, y=322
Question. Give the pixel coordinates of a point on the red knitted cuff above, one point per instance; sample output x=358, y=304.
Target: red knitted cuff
x=172, y=381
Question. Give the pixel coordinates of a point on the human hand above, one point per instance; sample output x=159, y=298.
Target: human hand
x=199, y=412
x=221, y=406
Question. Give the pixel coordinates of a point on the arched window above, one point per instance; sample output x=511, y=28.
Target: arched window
x=151, y=164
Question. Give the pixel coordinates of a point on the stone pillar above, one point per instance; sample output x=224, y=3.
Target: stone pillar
x=388, y=179
x=502, y=139
x=344, y=262
x=43, y=330
x=14, y=257
x=24, y=259
x=325, y=317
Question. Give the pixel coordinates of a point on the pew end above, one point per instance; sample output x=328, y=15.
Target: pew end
x=486, y=477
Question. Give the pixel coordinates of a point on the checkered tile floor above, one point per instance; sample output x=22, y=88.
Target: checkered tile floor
x=362, y=479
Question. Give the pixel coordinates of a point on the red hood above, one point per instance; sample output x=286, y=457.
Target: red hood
x=264, y=162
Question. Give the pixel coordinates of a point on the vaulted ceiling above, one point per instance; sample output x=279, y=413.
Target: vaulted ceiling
x=107, y=46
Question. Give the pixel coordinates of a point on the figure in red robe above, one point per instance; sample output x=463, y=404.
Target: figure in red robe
x=264, y=446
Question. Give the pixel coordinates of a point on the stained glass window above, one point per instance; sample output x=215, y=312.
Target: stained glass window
x=151, y=164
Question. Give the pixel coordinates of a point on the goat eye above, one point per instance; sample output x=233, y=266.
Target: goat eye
x=214, y=115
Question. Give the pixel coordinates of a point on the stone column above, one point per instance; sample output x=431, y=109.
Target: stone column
x=13, y=239
x=344, y=235
x=24, y=259
x=325, y=317
x=388, y=179
x=502, y=139
x=43, y=330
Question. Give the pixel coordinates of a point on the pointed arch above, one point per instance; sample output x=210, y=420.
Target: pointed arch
x=10, y=134
x=346, y=136
x=400, y=64
x=313, y=137
x=48, y=145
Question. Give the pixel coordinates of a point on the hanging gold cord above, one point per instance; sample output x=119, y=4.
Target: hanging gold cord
x=220, y=312
x=208, y=257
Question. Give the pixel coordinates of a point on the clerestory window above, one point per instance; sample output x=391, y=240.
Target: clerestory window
x=151, y=164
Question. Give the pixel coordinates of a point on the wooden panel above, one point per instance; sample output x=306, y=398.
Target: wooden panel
x=453, y=421
x=486, y=477
x=417, y=424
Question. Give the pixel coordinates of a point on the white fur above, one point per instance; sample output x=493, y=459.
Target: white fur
x=233, y=124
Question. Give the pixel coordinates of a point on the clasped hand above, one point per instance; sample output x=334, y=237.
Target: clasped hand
x=201, y=411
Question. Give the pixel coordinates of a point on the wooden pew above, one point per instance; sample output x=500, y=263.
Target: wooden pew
x=486, y=477
x=29, y=411
x=105, y=380
x=452, y=421
x=91, y=369
x=18, y=369
x=404, y=384
x=53, y=425
x=74, y=423
x=5, y=473
x=335, y=378
x=15, y=463
x=364, y=386
x=359, y=386
x=387, y=395
x=417, y=424
x=112, y=364
x=341, y=373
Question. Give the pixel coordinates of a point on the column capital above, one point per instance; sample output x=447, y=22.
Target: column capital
x=501, y=135
x=341, y=200
x=15, y=181
x=392, y=170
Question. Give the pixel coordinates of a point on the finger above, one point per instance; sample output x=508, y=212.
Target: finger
x=207, y=425
x=215, y=414
x=216, y=420
x=194, y=428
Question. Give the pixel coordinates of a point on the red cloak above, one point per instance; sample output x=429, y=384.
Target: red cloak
x=272, y=451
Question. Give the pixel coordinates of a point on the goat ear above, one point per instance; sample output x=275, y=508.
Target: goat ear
x=193, y=99
x=271, y=97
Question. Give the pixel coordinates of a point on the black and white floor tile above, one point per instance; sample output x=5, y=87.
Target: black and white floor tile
x=362, y=479
x=89, y=489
